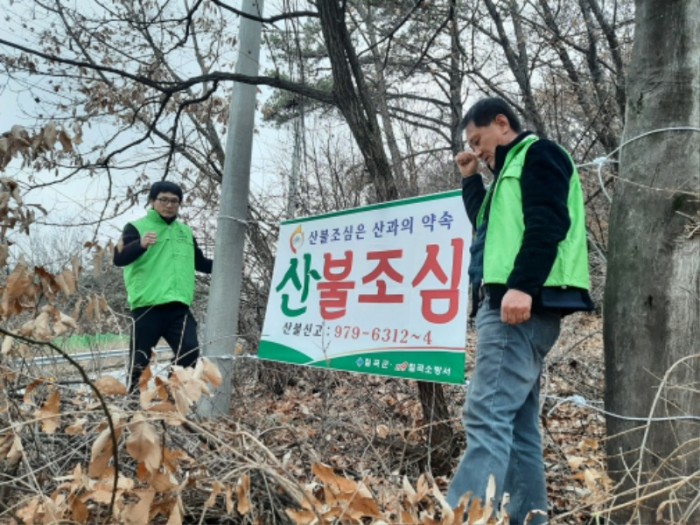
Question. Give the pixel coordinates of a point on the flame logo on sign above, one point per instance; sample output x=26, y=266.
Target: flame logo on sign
x=296, y=240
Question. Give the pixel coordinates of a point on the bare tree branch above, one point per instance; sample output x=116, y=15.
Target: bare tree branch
x=171, y=87
x=268, y=20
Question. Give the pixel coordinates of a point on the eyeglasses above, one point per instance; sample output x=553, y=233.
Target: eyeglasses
x=166, y=201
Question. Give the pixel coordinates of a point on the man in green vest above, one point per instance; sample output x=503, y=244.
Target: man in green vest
x=528, y=267
x=160, y=255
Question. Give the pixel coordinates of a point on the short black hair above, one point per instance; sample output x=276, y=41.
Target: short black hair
x=164, y=186
x=485, y=111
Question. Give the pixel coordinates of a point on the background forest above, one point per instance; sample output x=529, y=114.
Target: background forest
x=357, y=102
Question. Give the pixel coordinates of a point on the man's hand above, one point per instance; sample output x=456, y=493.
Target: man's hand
x=516, y=307
x=467, y=162
x=148, y=240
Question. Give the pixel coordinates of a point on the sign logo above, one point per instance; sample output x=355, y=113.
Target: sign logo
x=296, y=240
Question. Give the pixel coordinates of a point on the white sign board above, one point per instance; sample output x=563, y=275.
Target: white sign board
x=379, y=290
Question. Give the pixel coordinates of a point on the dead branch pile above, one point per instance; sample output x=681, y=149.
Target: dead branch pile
x=103, y=456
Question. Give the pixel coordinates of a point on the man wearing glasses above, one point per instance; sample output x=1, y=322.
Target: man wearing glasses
x=160, y=255
x=528, y=268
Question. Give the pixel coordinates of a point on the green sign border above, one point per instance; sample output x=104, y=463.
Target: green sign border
x=381, y=205
x=272, y=351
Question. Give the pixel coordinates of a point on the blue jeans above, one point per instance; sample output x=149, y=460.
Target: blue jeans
x=501, y=413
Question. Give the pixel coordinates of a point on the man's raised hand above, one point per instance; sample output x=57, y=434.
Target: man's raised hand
x=148, y=240
x=467, y=162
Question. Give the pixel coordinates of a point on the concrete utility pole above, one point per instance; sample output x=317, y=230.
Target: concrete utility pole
x=221, y=332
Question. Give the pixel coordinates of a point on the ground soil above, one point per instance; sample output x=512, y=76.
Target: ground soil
x=373, y=428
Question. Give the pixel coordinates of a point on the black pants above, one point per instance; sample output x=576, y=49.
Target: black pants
x=175, y=323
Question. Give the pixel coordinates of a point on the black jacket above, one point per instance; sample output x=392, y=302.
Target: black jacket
x=545, y=188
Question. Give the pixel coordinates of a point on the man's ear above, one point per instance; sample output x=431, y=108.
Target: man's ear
x=503, y=123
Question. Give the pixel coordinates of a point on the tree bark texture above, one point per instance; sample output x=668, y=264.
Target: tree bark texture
x=440, y=437
x=353, y=99
x=652, y=295
x=517, y=57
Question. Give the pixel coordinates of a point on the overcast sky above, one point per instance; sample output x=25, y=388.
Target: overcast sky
x=81, y=199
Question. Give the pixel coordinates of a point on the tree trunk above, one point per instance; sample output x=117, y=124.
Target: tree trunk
x=456, y=82
x=440, y=437
x=652, y=296
x=518, y=60
x=354, y=101
x=382, y=92
x=352, y=97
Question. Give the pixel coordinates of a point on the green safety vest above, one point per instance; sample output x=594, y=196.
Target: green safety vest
x=165, y=273
x=506, y=226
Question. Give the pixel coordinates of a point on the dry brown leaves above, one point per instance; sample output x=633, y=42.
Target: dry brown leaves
x=164, y=475
x=155, y=489
x=49, y=415
x=19, y=143
x=14, y=213
x=100, y=254
x=160, y=482
x=22, y=292
x=340, y=500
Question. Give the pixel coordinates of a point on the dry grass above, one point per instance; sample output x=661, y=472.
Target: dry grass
x=301, y=444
